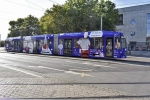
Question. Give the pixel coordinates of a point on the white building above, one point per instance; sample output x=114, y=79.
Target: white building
x=134, y=22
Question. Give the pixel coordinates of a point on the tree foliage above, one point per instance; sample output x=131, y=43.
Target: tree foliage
x=2, y=43
x=72, y=16
x=79, y=15
x=24, y=26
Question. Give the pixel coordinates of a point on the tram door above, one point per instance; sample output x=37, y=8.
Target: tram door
x=16, y=44
x=67, y=46
x=109, y=47
x=35, y=45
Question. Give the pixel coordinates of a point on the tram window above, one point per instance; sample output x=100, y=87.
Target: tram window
x=41, y=43
x=92, y=43
x=60, y=41
x=34, y=42
x=69, y=43
x=11, y=42
x=49, y=42
x=65, y=44
x=24, y=44
x=117, y=43
x=18, y=43
x=75, y=43
x=123, y=41
x=97, y=43
x=6, y=43
x=15, y=43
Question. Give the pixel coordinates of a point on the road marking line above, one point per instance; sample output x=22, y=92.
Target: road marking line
x=71, y=72
x=98, y=65
x=51, y=68
x=31, y=66
x=81, y=70
x=86, y=63
x=72, y=62
x=104, y=66
x=79, y=67
x=82, y=75
x=13, y=68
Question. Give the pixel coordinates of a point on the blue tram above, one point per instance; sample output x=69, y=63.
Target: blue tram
x=42, y=44
x=92, y=44
x=12, y=44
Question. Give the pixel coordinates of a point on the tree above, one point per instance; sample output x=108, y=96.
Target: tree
x=14, y=27
x=79, y=15
x=24, y=26
x=30, y=26
x=82, y=13
x=2, y=43
x=54, y=20
x=107, y=10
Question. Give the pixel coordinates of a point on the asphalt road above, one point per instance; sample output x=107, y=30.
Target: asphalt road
x=122, y=76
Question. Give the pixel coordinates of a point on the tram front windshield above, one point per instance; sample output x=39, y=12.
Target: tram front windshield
x=123, y=41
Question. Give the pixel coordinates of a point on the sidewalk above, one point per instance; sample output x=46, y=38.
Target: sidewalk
x=140, y=53
x=139, y=56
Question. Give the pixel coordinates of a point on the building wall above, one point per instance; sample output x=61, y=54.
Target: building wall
x=139, y=14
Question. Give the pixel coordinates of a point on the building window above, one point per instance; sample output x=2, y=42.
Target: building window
x=148, y=16
x=148, y=32
x=148, y=25
x=132, y=33
x=132, y=21
x=120, y=20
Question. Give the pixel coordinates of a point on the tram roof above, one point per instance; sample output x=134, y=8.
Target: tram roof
x=13, y=38
x=90, y=34
x=37, y=36
x=47, y=35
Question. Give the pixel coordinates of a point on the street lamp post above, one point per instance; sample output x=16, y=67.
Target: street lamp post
x=101, y=21
x=103, y=13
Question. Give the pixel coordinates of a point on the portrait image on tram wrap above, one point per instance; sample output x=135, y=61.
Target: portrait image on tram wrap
x=84, y=44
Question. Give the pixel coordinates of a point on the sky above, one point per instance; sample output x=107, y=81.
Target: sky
x=14, y=9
